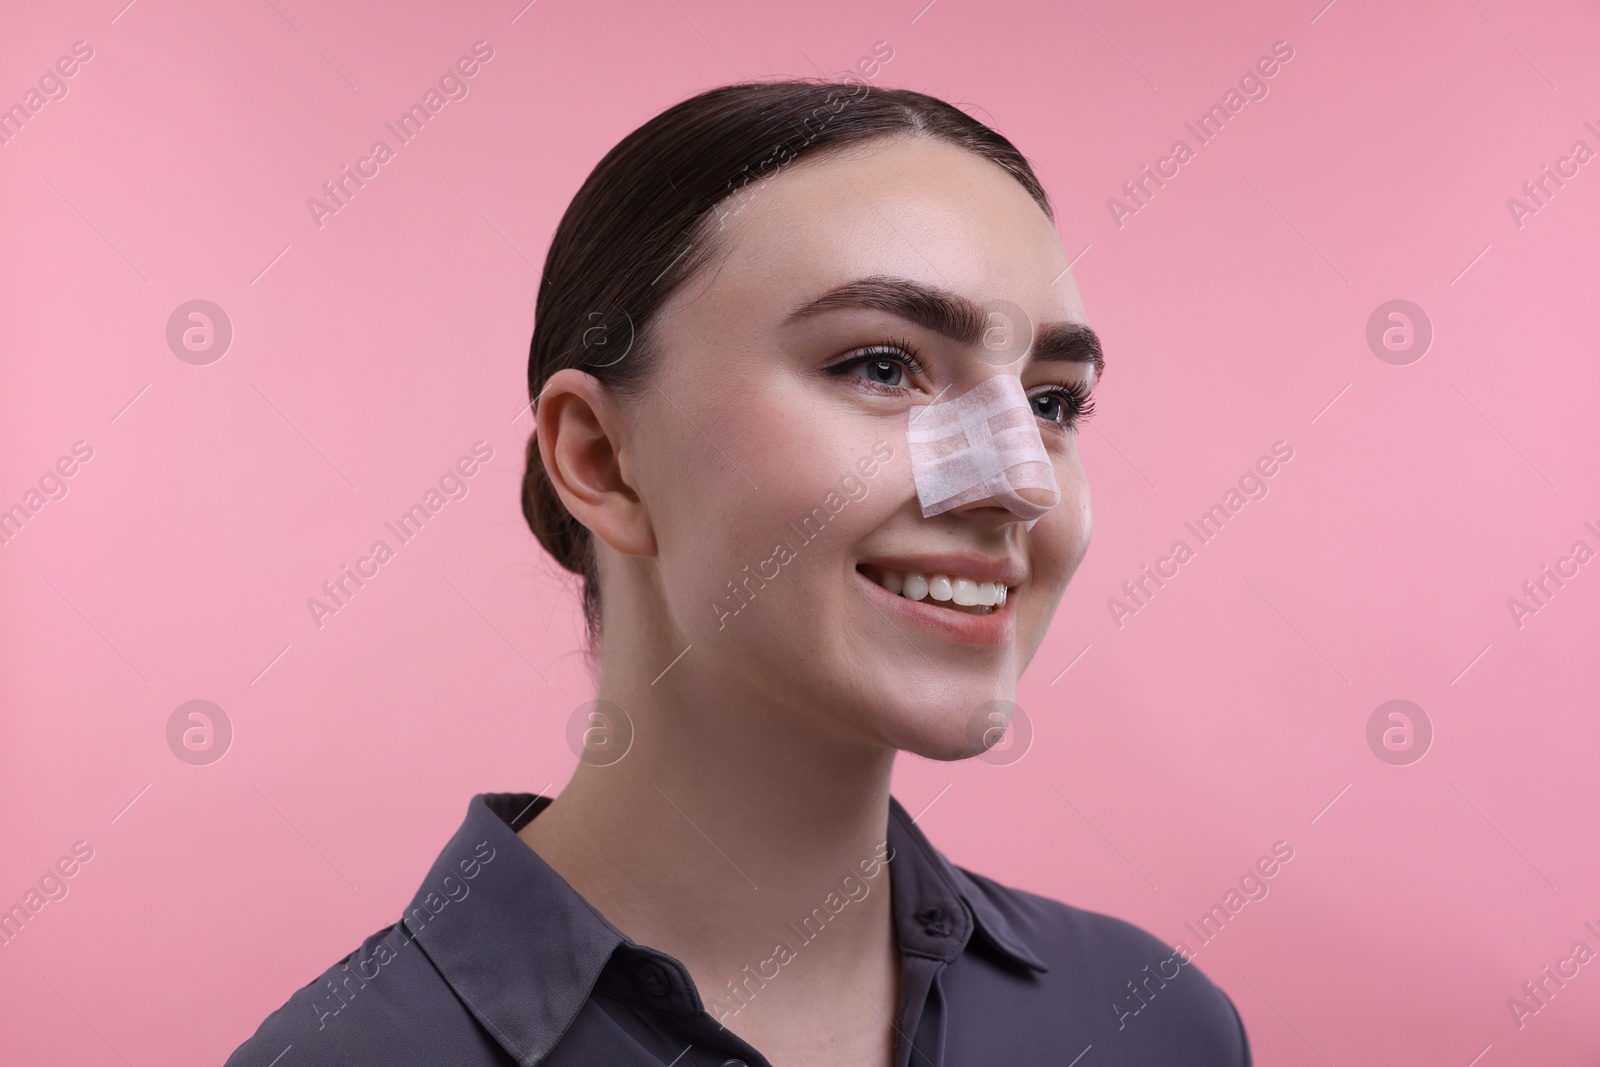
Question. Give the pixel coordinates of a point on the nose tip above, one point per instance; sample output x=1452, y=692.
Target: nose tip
x=983, y=447
x=1022, y=497
x=1030, y=500
x=1043, y=499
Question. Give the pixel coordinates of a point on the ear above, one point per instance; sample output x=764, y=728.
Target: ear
x=583, y=434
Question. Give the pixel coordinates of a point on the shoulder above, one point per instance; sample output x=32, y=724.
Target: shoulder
x=1117, y=979
x=365, y=1009
x=1060, y=931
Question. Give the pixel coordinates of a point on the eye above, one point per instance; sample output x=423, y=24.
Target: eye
x=1064, y=406
x=885, y=364
x=888, y=360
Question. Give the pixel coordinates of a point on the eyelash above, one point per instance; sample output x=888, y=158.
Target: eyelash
x=1075, y=399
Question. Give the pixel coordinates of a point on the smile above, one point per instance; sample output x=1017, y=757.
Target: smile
x=938, y=609
x=944, y=590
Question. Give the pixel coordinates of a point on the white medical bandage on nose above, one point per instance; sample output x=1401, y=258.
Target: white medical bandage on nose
x=984, y=443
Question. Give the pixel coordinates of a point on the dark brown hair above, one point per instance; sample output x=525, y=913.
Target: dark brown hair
x=647, y=220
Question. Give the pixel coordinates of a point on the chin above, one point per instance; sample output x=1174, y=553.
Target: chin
x=954, y=731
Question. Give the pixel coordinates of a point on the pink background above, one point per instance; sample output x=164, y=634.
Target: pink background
x=370, y=354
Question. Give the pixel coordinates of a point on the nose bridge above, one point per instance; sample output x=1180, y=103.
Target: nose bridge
x=984, y=445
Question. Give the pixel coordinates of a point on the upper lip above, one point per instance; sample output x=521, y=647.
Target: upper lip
x=958, y=564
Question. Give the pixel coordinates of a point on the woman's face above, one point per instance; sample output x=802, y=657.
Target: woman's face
x=769, y=464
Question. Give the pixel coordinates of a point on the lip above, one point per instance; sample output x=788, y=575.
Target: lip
x=999, y=627
x=956, y=564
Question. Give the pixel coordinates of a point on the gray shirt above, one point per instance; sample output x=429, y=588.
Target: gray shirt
x=499, y=961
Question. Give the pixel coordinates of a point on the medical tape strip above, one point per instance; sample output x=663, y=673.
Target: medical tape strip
x=984, y=443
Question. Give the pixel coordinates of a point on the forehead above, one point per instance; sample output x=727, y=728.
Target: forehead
x=910, y=207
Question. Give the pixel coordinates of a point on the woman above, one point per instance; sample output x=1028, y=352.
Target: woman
x=808, y=363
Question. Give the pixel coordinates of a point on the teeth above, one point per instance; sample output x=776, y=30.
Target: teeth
x=982, y=597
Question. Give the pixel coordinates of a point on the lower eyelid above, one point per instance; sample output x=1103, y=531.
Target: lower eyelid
x=1070, y=396
x=849, y=367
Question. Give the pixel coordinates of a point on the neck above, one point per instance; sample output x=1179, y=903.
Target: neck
x=723, y=828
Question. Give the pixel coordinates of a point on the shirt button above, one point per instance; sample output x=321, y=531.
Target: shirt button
x=934, y=921
x=654, y=979
x=734, y=1063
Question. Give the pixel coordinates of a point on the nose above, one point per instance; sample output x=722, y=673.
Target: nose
x=982, y=447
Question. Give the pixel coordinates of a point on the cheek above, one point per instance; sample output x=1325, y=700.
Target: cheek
x=756, y=484
x=1070, y=522
x=706, y=485
x=1057, y=546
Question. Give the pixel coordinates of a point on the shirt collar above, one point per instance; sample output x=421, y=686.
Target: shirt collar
x=996, y=916
x=524, y=950
x=521, y=947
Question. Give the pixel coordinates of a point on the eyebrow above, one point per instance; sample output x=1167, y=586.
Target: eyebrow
x=954, y=316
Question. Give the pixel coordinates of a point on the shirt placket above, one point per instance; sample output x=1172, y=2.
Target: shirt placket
x=919, y=1023
x=919, y=1033
x=932, y=928
x=706, y=1042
